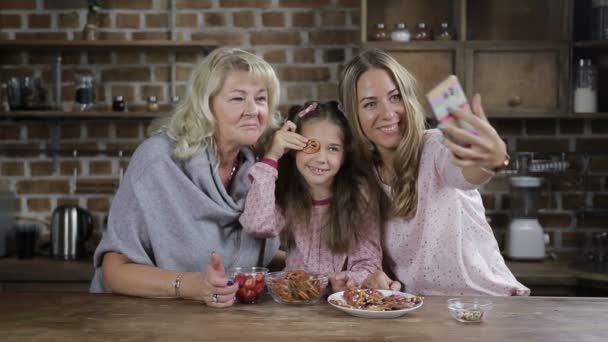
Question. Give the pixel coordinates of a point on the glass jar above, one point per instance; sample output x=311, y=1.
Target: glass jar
x=119, y=105
x=422, y=32
x=599, y=20
x=379, y=32
x=152, y=104
x=85, y=92
x=585, y=87
x=400, y=33
x=445, y=32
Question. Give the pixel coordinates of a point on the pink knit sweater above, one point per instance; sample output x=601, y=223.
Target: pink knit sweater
x=262, y=218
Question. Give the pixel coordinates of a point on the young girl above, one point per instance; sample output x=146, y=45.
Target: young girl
x=311, y=187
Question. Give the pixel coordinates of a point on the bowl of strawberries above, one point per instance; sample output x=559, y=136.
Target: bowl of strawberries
x=251, y=282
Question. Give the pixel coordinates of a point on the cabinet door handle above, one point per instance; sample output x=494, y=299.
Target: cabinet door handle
x=514, y=101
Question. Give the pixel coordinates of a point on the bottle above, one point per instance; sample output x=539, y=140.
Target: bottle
x=400, y=33
x=422, y=32
x=119, y=105
x=585, y=88
x=85, y=92
x=379, y=33
x=152, y=104
x=445, y=32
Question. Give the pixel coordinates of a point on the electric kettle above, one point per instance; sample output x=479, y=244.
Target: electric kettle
x=71, y=226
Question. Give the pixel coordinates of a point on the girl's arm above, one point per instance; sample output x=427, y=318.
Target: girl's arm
x=366, y=258
x=261, y=217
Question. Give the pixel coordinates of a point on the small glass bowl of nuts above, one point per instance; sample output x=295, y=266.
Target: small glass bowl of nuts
x=469, y=310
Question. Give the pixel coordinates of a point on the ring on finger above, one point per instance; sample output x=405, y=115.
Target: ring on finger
x=215, y=298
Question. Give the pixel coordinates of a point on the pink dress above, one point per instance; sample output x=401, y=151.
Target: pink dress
x=262, y=218
x=447, y=248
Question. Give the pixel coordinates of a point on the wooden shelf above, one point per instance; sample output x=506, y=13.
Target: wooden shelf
x=85, y=115
x=413, y=45
x=173, y=46
x=600, y=44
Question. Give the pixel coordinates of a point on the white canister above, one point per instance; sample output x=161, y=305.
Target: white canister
x=400, y=33
x=585, y=88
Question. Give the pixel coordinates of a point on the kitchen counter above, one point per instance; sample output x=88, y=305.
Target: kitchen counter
x=103, y=317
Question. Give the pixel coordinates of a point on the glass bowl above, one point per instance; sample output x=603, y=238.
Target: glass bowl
x=469, y=310
x=251, y=282
x=296, y=287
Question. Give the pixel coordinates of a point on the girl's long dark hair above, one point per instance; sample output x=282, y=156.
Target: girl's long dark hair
x=355, y=190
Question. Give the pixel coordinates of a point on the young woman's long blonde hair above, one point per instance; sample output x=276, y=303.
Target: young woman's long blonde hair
x=192, y=124
x=407, y=154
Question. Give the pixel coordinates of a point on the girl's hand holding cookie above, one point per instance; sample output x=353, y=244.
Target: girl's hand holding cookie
x=285, y=139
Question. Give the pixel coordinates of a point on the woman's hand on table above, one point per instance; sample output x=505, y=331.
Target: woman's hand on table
x=211, y=287
x=379, y=280
x=285, y=139
x=339, y=281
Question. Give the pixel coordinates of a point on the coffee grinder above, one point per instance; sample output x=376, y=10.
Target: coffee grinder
x=525, y=237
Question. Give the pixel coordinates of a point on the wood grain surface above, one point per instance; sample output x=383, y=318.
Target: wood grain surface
x=94, y=317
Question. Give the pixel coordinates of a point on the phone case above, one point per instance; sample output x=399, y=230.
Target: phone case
x=448, y=97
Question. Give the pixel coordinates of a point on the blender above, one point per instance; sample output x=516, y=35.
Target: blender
x=525, y=237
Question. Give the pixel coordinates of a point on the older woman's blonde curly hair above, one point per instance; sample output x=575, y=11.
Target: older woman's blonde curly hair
x=192, y=124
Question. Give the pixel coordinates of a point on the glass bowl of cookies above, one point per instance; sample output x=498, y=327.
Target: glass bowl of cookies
x=296, y=287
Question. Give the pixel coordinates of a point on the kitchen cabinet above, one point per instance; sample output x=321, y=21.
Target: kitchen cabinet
x=515, y=53
x=42, y=274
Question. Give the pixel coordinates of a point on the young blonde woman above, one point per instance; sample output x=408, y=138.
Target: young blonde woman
x=438, y=241
x=173, y=227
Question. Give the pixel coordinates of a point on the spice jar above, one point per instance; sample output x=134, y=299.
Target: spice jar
x=152, y=104
x=119, y=105
x=85, y=92
x=422, y=32
x=585, y=88
x=444, y=32
x=400, y=33
x=379, y=32
x=174, y=101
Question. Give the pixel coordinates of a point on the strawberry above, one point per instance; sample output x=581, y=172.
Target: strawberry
x=259, y=277
x=249, y=283
x=240, y=278
x=259, y=288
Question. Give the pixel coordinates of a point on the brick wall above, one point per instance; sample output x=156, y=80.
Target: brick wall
x=305, y=41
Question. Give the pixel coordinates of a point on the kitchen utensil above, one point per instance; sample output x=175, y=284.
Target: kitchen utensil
x=469, y=310
x=71, y=226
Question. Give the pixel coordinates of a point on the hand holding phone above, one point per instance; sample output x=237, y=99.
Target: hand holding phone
x=446, y=98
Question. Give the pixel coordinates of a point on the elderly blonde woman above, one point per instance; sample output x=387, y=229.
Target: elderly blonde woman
x=438, y=241
x=173, y=227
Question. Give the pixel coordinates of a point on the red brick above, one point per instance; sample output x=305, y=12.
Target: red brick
x=18, y=4
x=127, y=20
x=157, y=20
x=571, y=126
x=186, y=20
x=131, y=4
x=10, y=21
x=573, y=239
x=134, y=74
x=11, y=57
x=42, y=187
x=112, y=35
x=223, y=38
x=127, y=148
x=104, y=20
x=243, y=19
x=98, y=204
x=333, y=18
x=12, y=168
x=100, y=167
x=67, y=201
x=542, y=145
x=127, y=130
x=489, y=201
x=600, y=201
x=349, y=3
x=99, y=57
x=41, y=36
x=497, y=184
x=213, y=19
x=246, y=3
x=130, y=57
x=334, y=37
x=151, y=35
x=355, y=19
x=599, y=126
x=193, y=4
x=498, y=220
x=273, y=19
x=69, y=20
x=275, y=38
x=554, y=220
x=306, y=55
x=327, y=91
x=9, y=132
x=275, y=56
x=593, y=145
x=591, y=220
x=71, y=130
x=303, y=19
x=38, y=131
x=182, y=73
x=67, y=58
x=67, y=168
x=303, y=74
x=126, y=91
x=20, y=149
x=82, y=148
x=41, y=168
x=598, y=164
x=162, y=74
x=299, y=93
x=334, y=56
x=541, y=127
x=39, y=21
x=152, y=90
x=38, y=204
x=303, y=3
x=99, y=130
x=157, y=57
x=573, y=201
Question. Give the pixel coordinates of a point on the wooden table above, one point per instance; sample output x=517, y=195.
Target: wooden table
x=91, y=317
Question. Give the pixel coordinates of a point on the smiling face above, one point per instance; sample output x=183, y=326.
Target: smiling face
x=240, y=109
x=320, y=168
x=380, y=109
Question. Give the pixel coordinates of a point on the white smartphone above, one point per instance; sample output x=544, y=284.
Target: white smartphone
x=446, y=98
